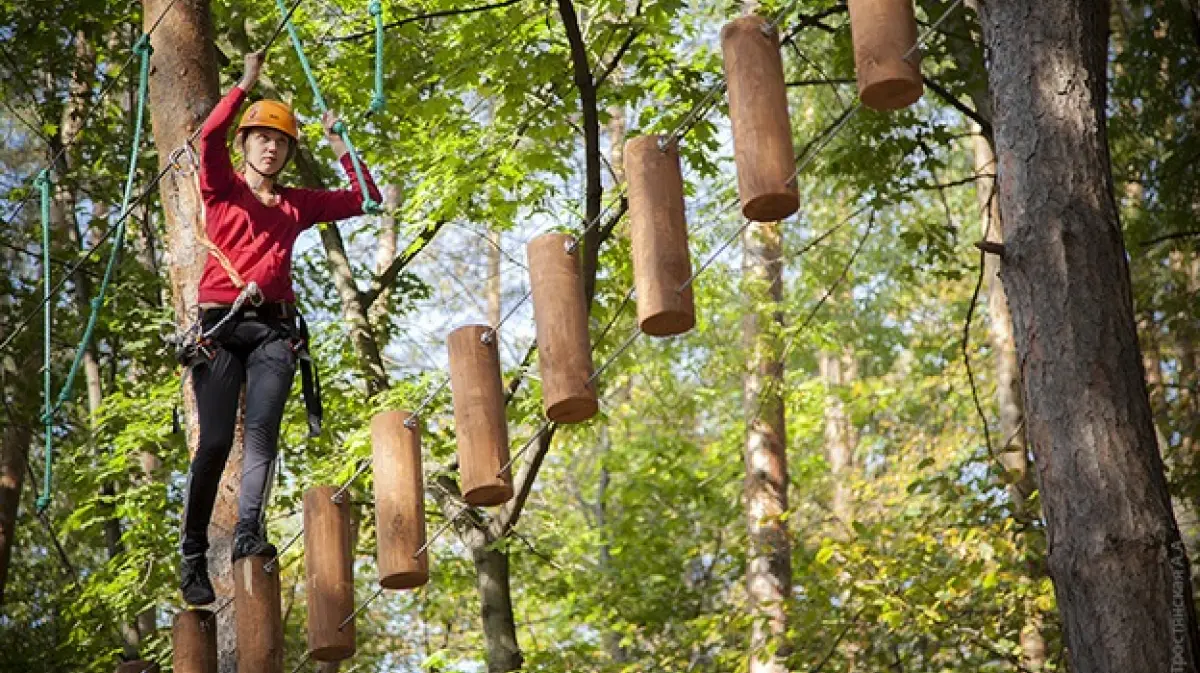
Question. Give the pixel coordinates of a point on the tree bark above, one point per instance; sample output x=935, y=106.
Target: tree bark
x=1119, y=568
x=768, y=563
x=839, y=370
x=493, y=285
x=384, y=254
x=14, y=444
x=1012, y=452
x=183, y=90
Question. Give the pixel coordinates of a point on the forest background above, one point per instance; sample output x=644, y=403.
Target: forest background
x=915, y=536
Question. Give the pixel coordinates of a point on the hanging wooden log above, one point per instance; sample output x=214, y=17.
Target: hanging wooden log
x=137, y=666
x=259, y=621
x=564, y=347
x=479, y=416
x=399, y=501
x=194, y=642
x=758, y=112
x=329, y=562
x=661, y=262
x=886, y=58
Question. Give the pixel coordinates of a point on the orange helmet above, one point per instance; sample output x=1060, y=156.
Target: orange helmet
x=271, y=114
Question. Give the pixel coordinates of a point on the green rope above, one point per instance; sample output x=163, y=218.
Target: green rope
x=368, y=205
x=375, y=9
x=142, y=48
x=44, y=184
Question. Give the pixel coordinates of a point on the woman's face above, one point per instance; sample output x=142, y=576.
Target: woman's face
x=267, y=149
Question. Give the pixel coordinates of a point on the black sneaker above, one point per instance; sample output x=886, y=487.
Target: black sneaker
x=195, y=585
x=248, y=540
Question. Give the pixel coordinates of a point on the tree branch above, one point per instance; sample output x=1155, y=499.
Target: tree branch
x=814, y=21
x=389, y=275
x=1169, y=237
x=421, y=17
x=619, y=54
x=984, y=125
x=510, y=513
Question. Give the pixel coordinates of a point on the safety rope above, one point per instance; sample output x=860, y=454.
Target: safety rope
x=368, y=205
x=375, y=9
x=143, y=49
x=43, y=183
x=201, y=230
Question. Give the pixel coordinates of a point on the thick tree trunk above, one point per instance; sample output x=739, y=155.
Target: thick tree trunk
x=183, y=90
x=1119, y=568
x=768, y=563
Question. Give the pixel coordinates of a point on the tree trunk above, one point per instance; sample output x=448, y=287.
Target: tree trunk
x=1119, y=568
x=494, y=287
x=14, y=444
x=495, y=601
x=768, y=563
x=838, y=371
x=183, y=90
x=1012, y=452
x=63, y=219
x=384, y=254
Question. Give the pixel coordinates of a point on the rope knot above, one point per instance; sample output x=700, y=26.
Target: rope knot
x=43, y=179
x=375, y=8
x=142, y=46
x=370, y=207
x=43, y=503
x=378, y=102
x=339, y=127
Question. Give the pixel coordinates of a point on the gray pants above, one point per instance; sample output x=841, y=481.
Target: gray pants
x=255, y=353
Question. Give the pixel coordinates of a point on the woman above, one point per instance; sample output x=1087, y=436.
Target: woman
x=254, y=221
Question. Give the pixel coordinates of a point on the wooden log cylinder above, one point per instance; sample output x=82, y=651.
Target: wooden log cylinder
x=194, y=642
x=758, y=112
x=560, y=313
x=661, y=262
x=479, y=416
x=886, y=57
x=259, y=622
x=137, y=666
x=399, y=501
x=329, y=563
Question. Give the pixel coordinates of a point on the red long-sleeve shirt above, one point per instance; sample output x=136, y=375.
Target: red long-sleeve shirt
x=258, y=239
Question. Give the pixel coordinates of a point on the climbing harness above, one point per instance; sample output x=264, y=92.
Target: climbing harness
x=196, y=344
